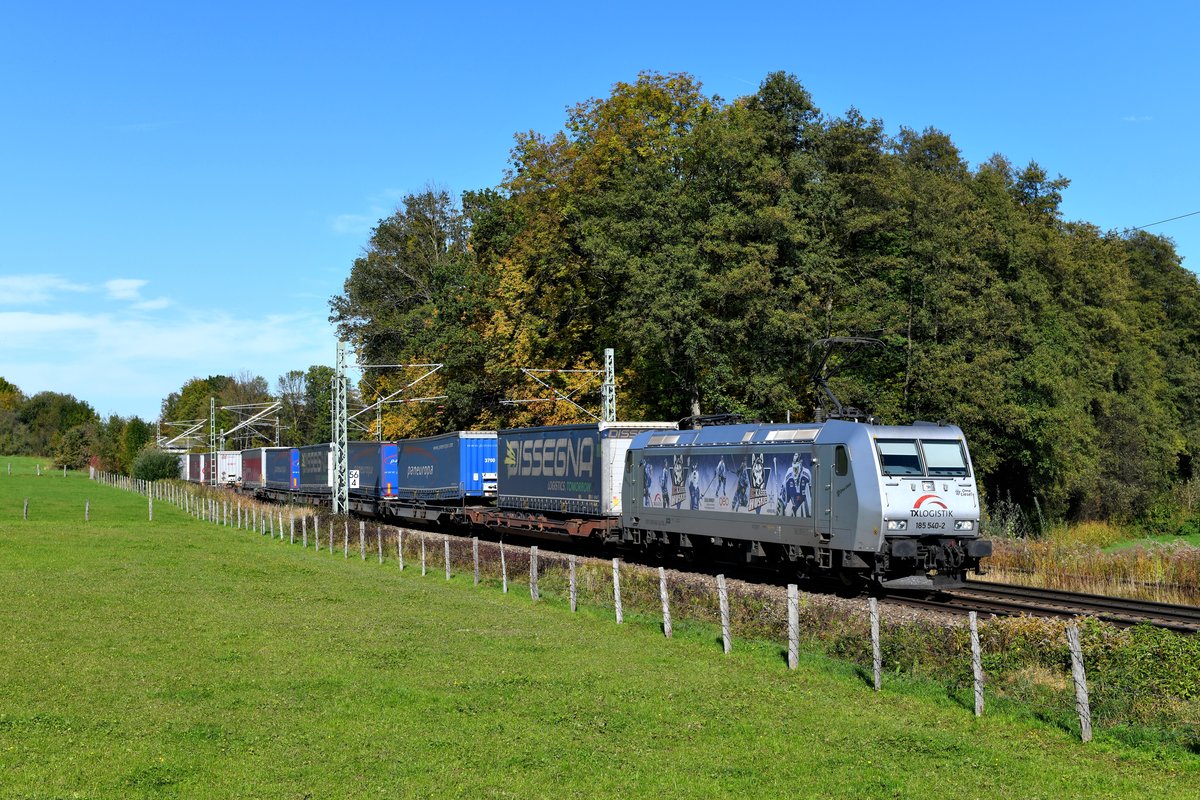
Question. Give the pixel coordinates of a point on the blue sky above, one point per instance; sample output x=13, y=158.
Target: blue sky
x=184, y=186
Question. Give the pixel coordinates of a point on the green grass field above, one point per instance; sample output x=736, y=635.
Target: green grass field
x=180, y=659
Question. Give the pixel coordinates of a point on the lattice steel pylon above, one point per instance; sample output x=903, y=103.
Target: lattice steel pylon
x=341, y=427
x=212, y=441
x=608, y=389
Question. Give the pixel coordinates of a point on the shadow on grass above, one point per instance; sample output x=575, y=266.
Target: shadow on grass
x=865, y=675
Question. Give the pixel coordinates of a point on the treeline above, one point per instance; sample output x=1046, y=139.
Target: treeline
x=304, y=416
x=72, y=434
x=69, y=431
x=711, y=242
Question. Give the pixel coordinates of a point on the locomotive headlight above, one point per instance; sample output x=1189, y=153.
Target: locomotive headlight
x=897, y=524
x=964, y=525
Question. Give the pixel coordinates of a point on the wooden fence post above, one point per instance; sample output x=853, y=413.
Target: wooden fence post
x=617, y=590
x=574, y=591
x=793, y=595
x=87, y=510
x=345, y=538
x=292, y=529
x=330, y=535
x=26, y=511
x=666, y=603
x=362, y=539
x=976, y=663
x=447, y=542
x=280, y=517
x=400, y=547
x=503, y=569
x=876, y=652
x=1080, y=678
x=475, y=555
x=304, y=532
x=150, y=501
x=533, y=573
x=723, y=600
x=422, y=555
x=379, y=542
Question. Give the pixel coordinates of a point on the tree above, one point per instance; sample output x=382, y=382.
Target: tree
x=74, y=447
x=11, y=397
x=317, y=422
x=136, y=434
x=712, y=242
x=49, y=415
x=14, y=435
x=416, y=296
x=290, y=392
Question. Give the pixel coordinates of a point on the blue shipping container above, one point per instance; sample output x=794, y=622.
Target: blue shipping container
x=281, y=467
x=373, y=469
x=453, y=466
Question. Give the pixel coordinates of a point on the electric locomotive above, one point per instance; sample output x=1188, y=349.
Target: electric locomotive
x=893, y=504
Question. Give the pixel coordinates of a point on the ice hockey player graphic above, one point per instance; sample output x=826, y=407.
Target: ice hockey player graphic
x=759, y=477
x=664, y=484
x=721, y=477
x=804, y=486
x=793, y=497
x=694, y=489
x=740, y=495
x=647, y=482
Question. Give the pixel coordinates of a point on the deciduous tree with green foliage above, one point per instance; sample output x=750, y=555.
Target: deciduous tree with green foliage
x=712, y=242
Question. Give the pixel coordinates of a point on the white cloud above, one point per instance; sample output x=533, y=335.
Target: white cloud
x=152, y=305
x=380, y=205
x=355, y=224
x=1137, y=119
x=125, y=288
x=20, y=329
x=32, y=289
x=126, y=363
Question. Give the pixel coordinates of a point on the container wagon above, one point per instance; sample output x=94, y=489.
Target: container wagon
x=564, y=480
x=274, y=469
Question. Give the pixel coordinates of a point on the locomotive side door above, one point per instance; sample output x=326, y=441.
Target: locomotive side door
x=823, y=496
x=837, y=506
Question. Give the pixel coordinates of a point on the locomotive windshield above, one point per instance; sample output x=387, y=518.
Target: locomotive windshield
x=904, y=457
x=899, y=457
x=945, y=458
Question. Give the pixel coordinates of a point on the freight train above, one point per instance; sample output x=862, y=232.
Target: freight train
x=896, y=506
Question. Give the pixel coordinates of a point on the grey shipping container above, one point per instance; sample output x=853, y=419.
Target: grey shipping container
x=316, y=468
x=566, y=469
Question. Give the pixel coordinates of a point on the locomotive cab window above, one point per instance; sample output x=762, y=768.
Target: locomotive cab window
x=945, y=458
x=899, y=457
x=841, y=461
x=628, y=461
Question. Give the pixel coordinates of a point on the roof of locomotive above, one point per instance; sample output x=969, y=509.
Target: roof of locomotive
x=787, y=433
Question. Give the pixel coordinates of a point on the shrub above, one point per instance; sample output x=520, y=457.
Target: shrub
x=154, y=465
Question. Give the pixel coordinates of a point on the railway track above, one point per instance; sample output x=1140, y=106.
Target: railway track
x=1000, y=599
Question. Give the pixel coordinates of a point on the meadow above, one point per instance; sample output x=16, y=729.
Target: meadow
x=176, y=658
x=1102, y=558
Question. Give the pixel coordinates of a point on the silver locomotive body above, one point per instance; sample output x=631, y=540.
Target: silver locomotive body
x=895, y=504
